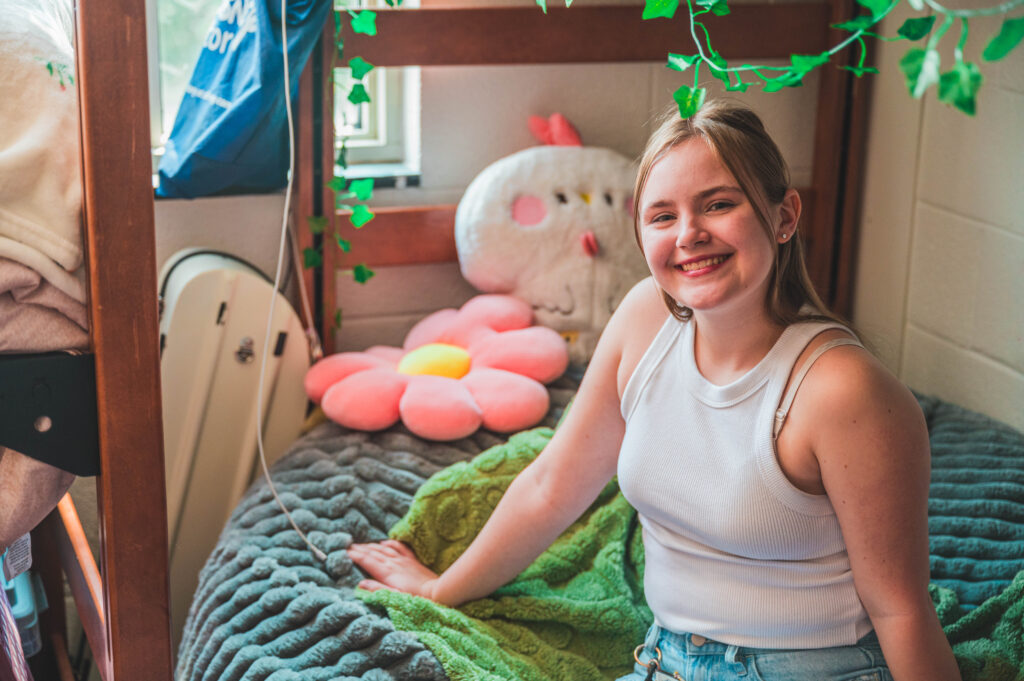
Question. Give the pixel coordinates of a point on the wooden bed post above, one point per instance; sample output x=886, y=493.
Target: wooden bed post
x=831, y=224
x=120, y=249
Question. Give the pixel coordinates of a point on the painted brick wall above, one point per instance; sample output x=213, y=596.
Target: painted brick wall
x=940, y=287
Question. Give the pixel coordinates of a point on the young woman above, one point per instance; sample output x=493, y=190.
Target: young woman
x=779, y=471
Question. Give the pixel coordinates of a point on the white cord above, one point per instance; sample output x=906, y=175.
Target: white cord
x=320, y=555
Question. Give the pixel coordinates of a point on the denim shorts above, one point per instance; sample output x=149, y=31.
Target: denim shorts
x=693, y=658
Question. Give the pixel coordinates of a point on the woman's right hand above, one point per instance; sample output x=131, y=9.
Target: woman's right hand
x=392, y=565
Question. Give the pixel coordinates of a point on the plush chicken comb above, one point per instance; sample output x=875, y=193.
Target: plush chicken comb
x=555, y=131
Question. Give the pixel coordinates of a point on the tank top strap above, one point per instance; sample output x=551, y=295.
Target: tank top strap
x=787, y=400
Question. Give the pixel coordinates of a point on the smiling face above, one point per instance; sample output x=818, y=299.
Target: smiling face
x=701, y=236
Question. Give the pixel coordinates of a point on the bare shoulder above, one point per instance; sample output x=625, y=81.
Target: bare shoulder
x=634, y=325
x=848, y=394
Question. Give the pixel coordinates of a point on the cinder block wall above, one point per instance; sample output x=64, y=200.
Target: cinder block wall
x=940, y=285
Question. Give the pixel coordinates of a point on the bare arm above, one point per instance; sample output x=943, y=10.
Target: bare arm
x=872, y=449
x=546, y=497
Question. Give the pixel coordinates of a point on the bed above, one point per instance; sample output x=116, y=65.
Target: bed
x=265, y=608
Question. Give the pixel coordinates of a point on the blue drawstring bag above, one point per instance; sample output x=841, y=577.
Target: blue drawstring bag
x=230, y=135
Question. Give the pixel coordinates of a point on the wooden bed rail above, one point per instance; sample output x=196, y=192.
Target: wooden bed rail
x=79, y=566
x=608, y=33
x=432, y=231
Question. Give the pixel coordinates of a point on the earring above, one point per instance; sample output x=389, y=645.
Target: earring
x=784, y=236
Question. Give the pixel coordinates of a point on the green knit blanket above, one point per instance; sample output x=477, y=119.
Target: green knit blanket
x=576, y=613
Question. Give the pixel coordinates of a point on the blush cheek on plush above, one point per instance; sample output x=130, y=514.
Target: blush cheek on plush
x=510, y=402
x=439, y=408
x=334, y=368
x=528, y=210
x=537, y=352
x=367, y=400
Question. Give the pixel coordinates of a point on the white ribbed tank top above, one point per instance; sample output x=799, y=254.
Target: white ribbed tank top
x=734, y=551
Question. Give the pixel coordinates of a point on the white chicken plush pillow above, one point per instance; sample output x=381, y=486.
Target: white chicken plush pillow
x=553, y=225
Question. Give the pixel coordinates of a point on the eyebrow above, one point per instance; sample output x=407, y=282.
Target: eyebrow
x=719, y=188
x=663, y=203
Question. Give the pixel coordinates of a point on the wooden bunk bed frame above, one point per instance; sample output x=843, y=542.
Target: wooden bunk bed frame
x=123, y=604
x=460, y=36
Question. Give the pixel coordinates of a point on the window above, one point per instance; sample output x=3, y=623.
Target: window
x=379, y=137
x=177, y=30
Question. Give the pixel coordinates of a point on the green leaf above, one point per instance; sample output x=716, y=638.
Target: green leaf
x=341, y=159
x=543, y=5
x=787, y=79
x=915, y=29
x=856, y=24
x=311, y=258
x=360, y=67
x=803, y=64
x=715, y=59
x=876, y=7
x=361, y=273
x=337, y=185
x=921, y=70
x=358, y=95
x=365, y=22
x=1009, y=36
x=689, y=100
x=317, y=223
x=960, y=86
x=740, y=86
x=344, y=245
x=360, y=215
x=680, y=62
x=717, y=7
x=337, y=319
x=860, y=70
x=654, y=9
x=363, y=189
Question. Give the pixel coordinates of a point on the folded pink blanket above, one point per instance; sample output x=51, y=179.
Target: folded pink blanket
x=36, y=316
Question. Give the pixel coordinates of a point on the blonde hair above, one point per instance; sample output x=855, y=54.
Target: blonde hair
x=737, y=136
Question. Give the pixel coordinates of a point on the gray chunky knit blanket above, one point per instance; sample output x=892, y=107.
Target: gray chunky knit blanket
x=267, y=610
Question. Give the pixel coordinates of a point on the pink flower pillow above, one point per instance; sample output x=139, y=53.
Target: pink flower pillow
x=458, y=370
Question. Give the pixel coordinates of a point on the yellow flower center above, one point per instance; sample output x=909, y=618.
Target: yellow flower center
x=436, y=359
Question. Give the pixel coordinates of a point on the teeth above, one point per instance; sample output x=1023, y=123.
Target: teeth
x=701, y=264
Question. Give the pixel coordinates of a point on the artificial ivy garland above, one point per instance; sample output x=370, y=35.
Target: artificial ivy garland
x=920, y=67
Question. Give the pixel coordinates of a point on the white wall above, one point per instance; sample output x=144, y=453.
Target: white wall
x=940, y=282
